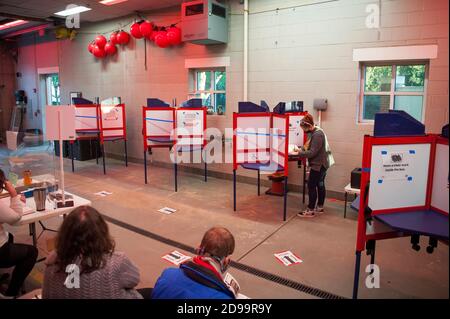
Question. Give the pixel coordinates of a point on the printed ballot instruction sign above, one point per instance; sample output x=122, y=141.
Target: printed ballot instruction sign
x=176, y=258
x=396, y=164
x=288, y=258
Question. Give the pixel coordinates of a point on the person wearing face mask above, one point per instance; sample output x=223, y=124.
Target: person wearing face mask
x=320, y=159
x=203, y=276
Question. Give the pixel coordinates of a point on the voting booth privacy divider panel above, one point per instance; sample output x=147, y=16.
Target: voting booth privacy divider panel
x=87, y=118
x=401, y=175
x=190, y=126
x=440, y=185
x=158, y=125
x=113, y=122
x=251, y=139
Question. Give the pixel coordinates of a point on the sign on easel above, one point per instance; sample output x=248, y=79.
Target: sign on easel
x=60, y=126
x=53, y=114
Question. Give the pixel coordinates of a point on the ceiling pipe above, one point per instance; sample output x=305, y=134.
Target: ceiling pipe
x=19, y=17
x=27, y=30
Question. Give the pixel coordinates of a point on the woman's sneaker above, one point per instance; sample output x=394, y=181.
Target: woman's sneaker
x=319, y=210
x=308, y=213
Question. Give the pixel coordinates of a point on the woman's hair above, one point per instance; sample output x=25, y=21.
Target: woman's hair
x=308, y=120
x=217, y=242
x=84, y=237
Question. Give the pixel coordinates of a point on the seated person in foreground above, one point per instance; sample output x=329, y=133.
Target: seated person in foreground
x=20, y=256
x=202, y=277
x=85, y=265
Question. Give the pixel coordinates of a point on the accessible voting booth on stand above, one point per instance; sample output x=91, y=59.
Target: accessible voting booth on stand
x=178, y=129
x=261, y=142
x=99, y=123
x=404, y=186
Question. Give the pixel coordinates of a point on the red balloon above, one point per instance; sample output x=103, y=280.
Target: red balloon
x=98, y=52
x=161, y=39
x=146, y=29
x=123, y=37
x=110, y=49
x=113, y=38
x=174, y=36
x=136, y=31
x=91, y=47
x=100, y=40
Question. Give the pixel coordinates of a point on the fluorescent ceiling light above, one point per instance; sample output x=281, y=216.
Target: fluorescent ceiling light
x=111, y=2
x=72, y=10
x=12, y=24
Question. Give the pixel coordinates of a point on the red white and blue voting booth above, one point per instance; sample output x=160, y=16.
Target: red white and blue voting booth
x=261, y=143
x=100, y=124
x=178, y=129
x=404, y=188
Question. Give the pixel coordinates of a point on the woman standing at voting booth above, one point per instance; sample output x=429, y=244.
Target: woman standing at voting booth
x=318, y=153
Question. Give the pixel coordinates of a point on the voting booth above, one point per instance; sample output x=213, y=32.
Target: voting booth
x=99, y=124
x=178, y=129
x=404, y=191
x=261, y=142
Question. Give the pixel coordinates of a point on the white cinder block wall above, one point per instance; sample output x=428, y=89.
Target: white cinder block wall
x=300, y=52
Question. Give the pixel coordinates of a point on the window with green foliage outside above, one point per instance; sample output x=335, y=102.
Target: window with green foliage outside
x=393, y=87
x=210, y=86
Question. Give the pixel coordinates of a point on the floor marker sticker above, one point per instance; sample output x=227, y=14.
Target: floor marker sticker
x=176, y=258
x=288, y=258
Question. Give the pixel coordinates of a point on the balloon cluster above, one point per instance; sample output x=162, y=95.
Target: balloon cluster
x=162, y=36
x=101, y=47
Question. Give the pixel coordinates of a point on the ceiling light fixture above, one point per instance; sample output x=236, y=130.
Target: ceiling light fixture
x=12, y=24
x=72, y=10
x=111, y=2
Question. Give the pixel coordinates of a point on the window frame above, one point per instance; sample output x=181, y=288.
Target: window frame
x=392, y=93
x=212, y=91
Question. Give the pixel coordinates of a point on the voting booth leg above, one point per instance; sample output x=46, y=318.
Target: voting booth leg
x=126, y=152
x=97, y=149
x=176, y=177
x=259, y=182
x=71, y=157
x=145, y=166
x=285, y=198
x=103, y=155
x=356, y=279
x=234, y=190
x=304, y=183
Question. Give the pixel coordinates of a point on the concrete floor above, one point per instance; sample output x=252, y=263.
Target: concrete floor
x=326, y=244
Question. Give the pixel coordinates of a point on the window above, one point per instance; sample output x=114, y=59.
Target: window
x=210, y=86
x=53, y=92
x=393, y=87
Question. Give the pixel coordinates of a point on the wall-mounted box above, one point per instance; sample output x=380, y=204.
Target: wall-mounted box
x=204, y=22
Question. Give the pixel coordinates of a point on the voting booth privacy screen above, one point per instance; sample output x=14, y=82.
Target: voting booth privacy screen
x=405, y=174
x=158, y=125
x=165, y=126
x=107, y=120
x=112, y=121
x=266, y=139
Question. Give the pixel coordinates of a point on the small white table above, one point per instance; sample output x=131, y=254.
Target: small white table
x=349, y=190
x=49, y=212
